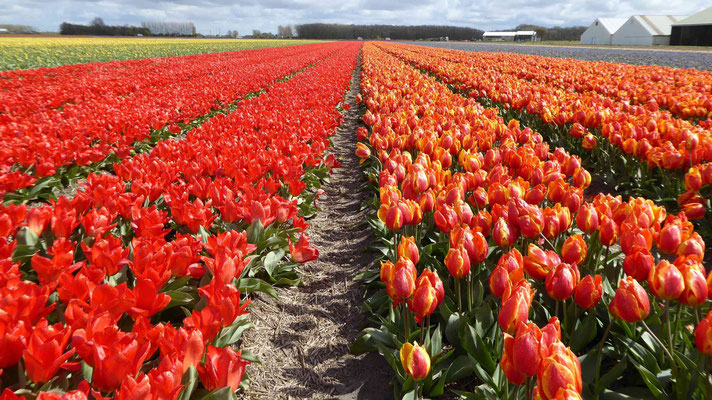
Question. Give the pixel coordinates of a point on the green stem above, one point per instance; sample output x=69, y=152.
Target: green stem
x=708, y=389
x=665, y=349
x=469, y=292
x=573, y=325
x=459, y=296
x=669, y=329
x=405, y=322
x=417, y=395
x=599, y=357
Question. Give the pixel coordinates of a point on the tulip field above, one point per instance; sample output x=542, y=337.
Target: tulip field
x=503, y=276
x=538, y=225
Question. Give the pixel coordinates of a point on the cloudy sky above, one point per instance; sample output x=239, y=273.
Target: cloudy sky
x=211, y=16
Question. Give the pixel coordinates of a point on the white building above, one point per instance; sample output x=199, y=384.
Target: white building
x=601, y=30
x=518, y=36
x=695, y=30
x=645, y=30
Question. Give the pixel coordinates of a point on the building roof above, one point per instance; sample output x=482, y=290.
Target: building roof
x=658, y=25
x=612, y=24
x=517, y=33
x=703, y=17
x=499, y=34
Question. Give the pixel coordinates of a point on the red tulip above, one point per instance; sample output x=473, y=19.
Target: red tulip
x=45, y=351
x=425, y=300
x=670, y=237
x=223, y=367
x=302, y=252
x=608, y=231
x=510, y=372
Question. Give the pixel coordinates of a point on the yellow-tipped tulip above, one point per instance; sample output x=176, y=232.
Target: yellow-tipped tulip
x=415, y=361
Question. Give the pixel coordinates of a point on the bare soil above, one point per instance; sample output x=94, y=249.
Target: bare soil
x=303, y=338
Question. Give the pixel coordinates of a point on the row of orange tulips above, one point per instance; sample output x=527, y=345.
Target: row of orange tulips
x=638, y=148
x=487, y=236
x=137, y=287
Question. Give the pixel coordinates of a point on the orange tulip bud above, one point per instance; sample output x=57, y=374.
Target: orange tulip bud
x=695, y=292
x=515, y=306
x=504, y=233
x=608, y=231
x=512, y=374
x=703, y=335
x=415, y=361
x=457, y=262
x=362, y=152
x=574, y=250
x=408, y=249
x=670, y=236
x=638, y=264
x=589, y=142
x=537, y=262
x=560, y=370
x=435, y=282
x=425, y=300
x=630, y=303
x=589, y=291
x=587, y=218
x=665, y=281
x=561, y=281
x=525, y=354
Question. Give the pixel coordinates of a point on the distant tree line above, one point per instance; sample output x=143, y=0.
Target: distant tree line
x=395, y=32
x=555, y=33
x=99, y=28
x=13, y=28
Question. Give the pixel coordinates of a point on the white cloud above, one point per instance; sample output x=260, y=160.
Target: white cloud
x=211, y=16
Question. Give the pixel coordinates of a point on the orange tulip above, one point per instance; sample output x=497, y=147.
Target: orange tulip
x=587, y=218
x=665, y=281
x=574, y=250
x=415, y=361
x=515, y=306
x=408, y=249
x=504, y=233
x=703, y=335
x=630, y=303
x=512, y=374
x=560, y=370
x=638, y=264
x=695, y=292
x=525, y=354
x=362, y=152
x=561, y=281
x=457, y=262
x=589, y=291
x=537, y=262
x=425, y=300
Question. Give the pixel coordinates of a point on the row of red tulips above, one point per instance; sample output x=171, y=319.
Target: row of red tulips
x=55, y=118
x=137, y=287
x=488, y=236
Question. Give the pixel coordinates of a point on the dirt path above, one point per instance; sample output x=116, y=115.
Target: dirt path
x=303, y=338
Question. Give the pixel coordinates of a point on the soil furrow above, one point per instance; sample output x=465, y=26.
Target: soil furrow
x=303, y=338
